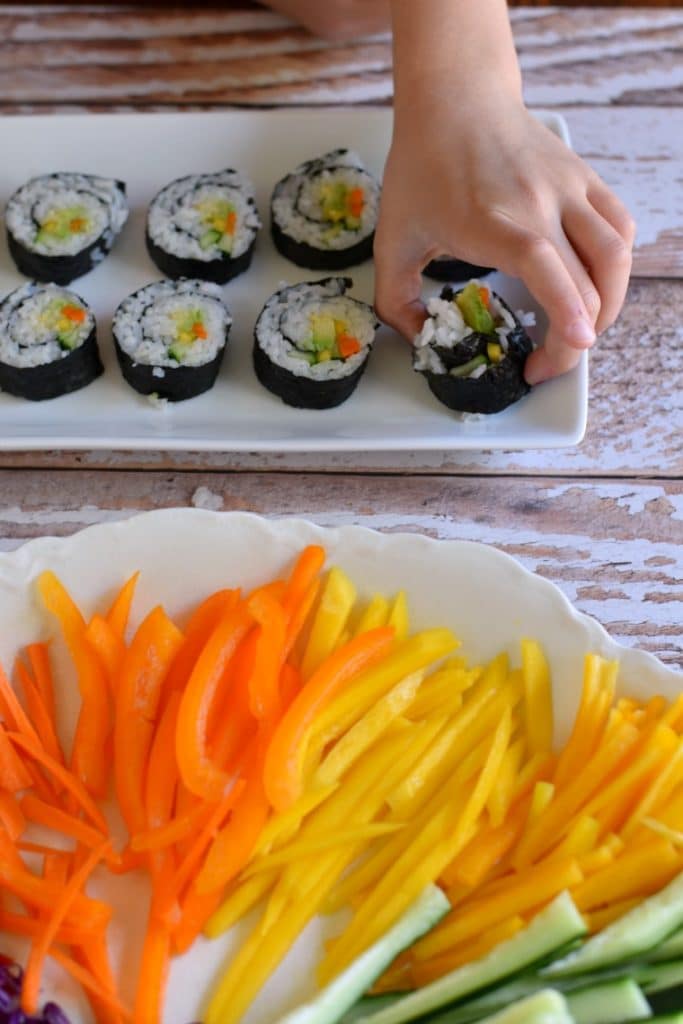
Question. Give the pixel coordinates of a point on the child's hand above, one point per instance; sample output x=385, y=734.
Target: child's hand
x=477, y=177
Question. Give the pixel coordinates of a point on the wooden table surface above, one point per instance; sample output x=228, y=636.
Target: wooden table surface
x=604, y=520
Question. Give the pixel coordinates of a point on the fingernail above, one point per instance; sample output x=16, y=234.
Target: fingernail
x=580, y=332
x=532, y=376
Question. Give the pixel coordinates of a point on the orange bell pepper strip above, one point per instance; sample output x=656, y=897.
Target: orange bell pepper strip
x=144, y=669
x=196, y=911
x=40, y=716
x=14, y=776
x=153, y=974
x=231, y=725
x=199, y=628
x=162, y=775
x=304, y=573
x=40, y=948
x=89, y=752
x=119, y=612
x=108, y=646
x=283, y=770
x=39, y=661
x=264, y=695
x=199, y=772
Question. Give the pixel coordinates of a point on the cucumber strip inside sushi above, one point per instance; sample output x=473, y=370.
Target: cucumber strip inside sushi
x=312, y=342
x=204, y=226
x=59, y=226
x=48, y=343
x=170, y=338
x=472, y=349
x=324, y=213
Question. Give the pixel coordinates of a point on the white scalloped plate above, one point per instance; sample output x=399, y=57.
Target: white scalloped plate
x=392, y=409
x=483, y=594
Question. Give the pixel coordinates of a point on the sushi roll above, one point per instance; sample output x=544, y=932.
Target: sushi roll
x=323, y=215
x=312, y=342
x=60, y=226
x=472, y=350
x=204, y=226
x=170, y=338
x=48, y=344
x=447, y=268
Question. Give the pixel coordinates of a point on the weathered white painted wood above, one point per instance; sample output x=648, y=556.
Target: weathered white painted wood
x=615, y=548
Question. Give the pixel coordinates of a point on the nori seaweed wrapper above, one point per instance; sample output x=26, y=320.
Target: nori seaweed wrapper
x=302, y=392
x=218, y=271
x=61, y=377
x=447, y=269
x=308, y=256
x=501, y=385
x=178, y=382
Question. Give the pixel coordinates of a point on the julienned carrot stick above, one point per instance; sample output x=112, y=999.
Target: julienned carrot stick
x=94, y=957
x=282, y=771
x=264, y=692
x=119, y=612
x=54, y=818
x=11, y=816
x=11, y=710
x=40, y=715
x=31, y=927
x=62, y=775
x=39, y=949
x=146, y=664
x=200, y=774
x=13, y=774
x=39, y=661
x=162, y=774
x=89, y=753
x=152, y=976
x=43, y=894
x=173, y=831
x=85, y=978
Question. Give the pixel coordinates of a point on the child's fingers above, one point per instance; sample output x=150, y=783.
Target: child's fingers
x=551, y=360
x=537, y=260
x=398, y=284
x=606, y=255
x=612, y=209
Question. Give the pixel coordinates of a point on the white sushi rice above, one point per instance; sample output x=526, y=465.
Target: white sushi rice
x=287, y=315
x=445, y=327
x=297, y=200
x=102, y=200
x=26, y=337
x=145, y=325
x=175, y=220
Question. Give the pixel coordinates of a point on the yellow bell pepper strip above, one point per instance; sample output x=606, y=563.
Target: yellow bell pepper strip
x=282, y=827
x=487, y=848
x=582, y=837
x=398, y=616
x=199, y=772
x=89, y=753
x=673, y=835
x=426, y=971
x=543, y=794
x=538, y=698
x=374, y=615
x=239, y=902
x=282, y=770
x=264, y=682
x=144, y=669
x=443, y=692
x=599, y=683
x=501, y=797
x=636, y=872
x=664, y=782
x=119, y=612
x=367, y=730
x=307, y=847
x=108, y=646
x=337, y=599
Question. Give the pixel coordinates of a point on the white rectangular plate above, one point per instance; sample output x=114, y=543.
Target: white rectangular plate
x=392, y=408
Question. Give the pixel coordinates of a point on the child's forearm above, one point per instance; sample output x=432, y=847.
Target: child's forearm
x=451, y=50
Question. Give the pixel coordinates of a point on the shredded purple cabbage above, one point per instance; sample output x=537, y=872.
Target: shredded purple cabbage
x=11, y=977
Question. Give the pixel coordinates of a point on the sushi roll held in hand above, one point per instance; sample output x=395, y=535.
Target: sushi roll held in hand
x=324, y=213
x=170, y=338
x=472, y=350
x=312, y=343
x=447, y=268
x=48, y=344
x=204, y=226
x=60, y=226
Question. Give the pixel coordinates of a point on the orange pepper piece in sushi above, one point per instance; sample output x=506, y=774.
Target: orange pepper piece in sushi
x=74, y=314
x=347, y=345
x=355, y=201
x=199, y=330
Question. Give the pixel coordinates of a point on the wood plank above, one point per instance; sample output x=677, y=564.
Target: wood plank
x=613, y=547
x=124, y=55
x=634, y=429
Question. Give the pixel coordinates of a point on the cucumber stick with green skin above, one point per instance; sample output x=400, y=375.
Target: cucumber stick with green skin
x=671, y=949
x=551, y=930
x=632, y=937
x=331, y=1004
x=609, y=1002
x=544, y=1007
